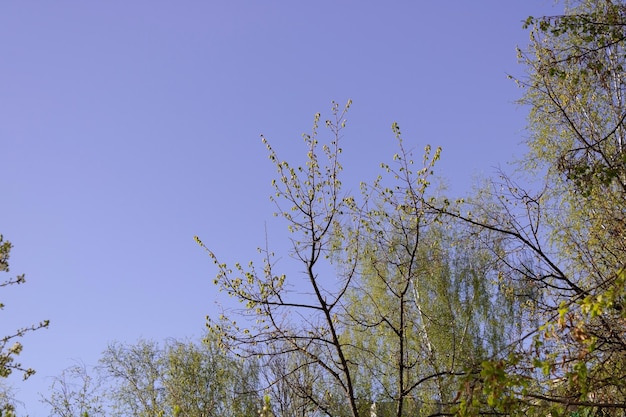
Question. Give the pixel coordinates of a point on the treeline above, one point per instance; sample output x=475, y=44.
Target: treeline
x=509, y=302
x=174, y=378
x=408, y=303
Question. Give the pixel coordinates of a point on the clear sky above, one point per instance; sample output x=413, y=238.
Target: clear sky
x=128, y=127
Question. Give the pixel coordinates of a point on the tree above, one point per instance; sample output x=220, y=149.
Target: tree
x=280, y=323
x=8, y=401
x=135, y=373
x=8, y=354
x=422, y=309
x=454, y=318
x=387, y=302
x=10, y=345
x=288, y=382
x=174, y=379
x=201, y=381
x=76, y=393
x=555, y=254
x=562, y=246
x=391, y=307
x=576, y=92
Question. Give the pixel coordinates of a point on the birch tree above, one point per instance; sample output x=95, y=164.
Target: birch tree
x=563, y=244
x=423, y=310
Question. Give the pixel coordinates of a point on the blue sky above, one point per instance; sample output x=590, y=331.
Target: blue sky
x=128, y=127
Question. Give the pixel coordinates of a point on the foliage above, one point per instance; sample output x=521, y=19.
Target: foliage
x=523, y=289
x=421, y=313
x=10, y=346
x=136, y=372
x=180, y=379
x=564, y=243
x=400, y=305
x=510, y=302
x=148, y=379
x=200, y=381
x=576, y=92
x=8, y=402
x=304, y=330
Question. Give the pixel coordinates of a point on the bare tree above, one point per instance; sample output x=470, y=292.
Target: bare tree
x=76, y=393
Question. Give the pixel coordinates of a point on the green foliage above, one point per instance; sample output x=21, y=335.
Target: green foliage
x=509, y=302
x=8, y=402
x=565, y=241
x=421, y=311
x=266, y=409
x=310, y=200
x=403, y=303
x=136, y=372
x=576, y=88
x=10, y=346
x=200, y=380
x=180, y=378
x=147, y=379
